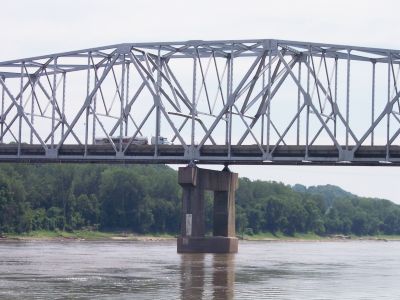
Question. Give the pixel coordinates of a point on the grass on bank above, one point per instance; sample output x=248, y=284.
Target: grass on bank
x=47, y=234
x=279, y=236
x=82, y=234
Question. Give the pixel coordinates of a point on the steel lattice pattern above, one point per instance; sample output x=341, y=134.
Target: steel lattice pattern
x=235, y=102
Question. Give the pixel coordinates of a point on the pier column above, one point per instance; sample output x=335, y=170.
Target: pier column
x=195, y=182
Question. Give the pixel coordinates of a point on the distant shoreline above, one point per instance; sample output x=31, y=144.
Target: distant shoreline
x=121, y=236
x=312, y=237
x=83, y=235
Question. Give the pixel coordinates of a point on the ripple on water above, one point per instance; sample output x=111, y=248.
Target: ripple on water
x=109, y=270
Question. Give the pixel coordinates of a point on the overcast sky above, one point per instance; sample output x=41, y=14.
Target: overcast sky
x=38, y=27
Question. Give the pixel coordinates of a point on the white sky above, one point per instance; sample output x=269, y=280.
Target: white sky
x=30, y=28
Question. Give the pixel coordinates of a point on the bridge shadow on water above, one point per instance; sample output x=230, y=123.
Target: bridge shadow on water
x=205, y=278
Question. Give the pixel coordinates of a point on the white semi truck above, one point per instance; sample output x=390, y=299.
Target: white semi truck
x=161, y=141
x=138, y=140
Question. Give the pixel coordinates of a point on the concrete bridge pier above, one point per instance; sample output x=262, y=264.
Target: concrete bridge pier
x=195, y=182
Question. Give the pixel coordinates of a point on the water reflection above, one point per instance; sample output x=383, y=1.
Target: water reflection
x=207, y=275
x=223, y=276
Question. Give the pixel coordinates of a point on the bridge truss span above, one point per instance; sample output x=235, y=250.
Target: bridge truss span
x=232, y=102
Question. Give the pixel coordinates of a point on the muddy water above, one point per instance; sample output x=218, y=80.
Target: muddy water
x=153, y=270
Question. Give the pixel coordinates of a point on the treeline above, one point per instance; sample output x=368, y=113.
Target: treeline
x=273, y=207
x=146, y=199
x=68, y=197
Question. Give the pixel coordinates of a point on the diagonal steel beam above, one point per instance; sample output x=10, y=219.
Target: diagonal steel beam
x=308, y=101
x=266, y=92
x=335, y=110
x=231, y=100
x=21, y=113
x=87, y=101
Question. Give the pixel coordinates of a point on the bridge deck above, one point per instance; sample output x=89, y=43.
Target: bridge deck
x=208, y=154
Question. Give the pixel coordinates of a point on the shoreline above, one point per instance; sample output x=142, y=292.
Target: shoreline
x=269, y=237
x=83, y=235
x=121, y=236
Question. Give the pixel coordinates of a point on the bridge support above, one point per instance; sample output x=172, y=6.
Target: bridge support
x=195, y=182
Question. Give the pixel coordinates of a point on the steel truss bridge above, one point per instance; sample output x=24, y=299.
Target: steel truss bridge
x=229, y=102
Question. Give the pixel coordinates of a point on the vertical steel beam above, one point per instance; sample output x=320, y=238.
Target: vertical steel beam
x=268, y=108
x=53, y=103
x=228, y=94
x=121, y=101
x=335, y=100
x=308, y=104
x=94, y=110
x=2, y=118
x=348, y=99
x=87, y=108
x=298, y=106
x=158, y=101
x=230, y=82
x=193, y=112
x=19, y=109
x=63, y=119
x=388, y=111
x=126, y=99
x=32, y=111
x=263, y=115
x=373, y=101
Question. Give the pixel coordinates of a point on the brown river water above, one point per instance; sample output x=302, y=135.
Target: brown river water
x=153, y=270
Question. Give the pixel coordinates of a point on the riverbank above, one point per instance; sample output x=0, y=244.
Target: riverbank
x=84, y=235
x=124, y=236
x=303, y=237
